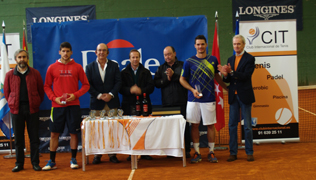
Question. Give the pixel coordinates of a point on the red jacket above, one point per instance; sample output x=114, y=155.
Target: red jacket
x=64, y=78
x=34, y=85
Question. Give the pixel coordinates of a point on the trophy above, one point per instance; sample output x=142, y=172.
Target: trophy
x=111, y=113
x=198, y=88
x=102, y=114
x=92, y=114
x=120, y=113
x=63, y=98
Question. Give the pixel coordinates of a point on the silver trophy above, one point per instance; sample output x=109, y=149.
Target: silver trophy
x=102, y=114
x=198, y=88
x=111, y=113
x=120, y=113
x=92, y=114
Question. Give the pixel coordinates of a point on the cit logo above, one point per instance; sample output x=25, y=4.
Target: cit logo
x=254, y=33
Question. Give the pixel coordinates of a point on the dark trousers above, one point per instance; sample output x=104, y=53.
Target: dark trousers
x=187, y=134
x=32, y=122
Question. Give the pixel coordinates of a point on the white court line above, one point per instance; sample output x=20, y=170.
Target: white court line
x=131, y=175
x=307, y=111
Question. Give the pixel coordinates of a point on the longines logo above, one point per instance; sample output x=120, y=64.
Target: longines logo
x=266, y=12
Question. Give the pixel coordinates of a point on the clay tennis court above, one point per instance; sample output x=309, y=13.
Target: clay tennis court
x=272, y=161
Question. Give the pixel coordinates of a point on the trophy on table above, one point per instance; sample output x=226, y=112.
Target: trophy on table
x=102, y=114
x=120, y=113
x=111, y=113
x=92, y=114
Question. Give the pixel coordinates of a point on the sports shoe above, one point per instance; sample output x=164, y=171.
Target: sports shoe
x=73, y=163
x=196, y=158
x=49, y=166
x=211, y=157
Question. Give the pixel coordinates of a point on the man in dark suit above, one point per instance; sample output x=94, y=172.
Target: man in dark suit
x=105, y=82
x=238, y=72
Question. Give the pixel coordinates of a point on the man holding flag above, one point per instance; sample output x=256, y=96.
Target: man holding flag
x=198, y=76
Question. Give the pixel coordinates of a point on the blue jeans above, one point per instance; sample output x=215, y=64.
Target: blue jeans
x=234, y=116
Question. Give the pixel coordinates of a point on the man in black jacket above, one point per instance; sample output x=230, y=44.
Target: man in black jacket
x=173, y=94
x=136, y=80
x=105, y=82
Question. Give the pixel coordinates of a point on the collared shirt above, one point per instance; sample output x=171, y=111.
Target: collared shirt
x=237, y=59
x=102, y=74
x=102, y=71
x=23, y=71
x=135, y=71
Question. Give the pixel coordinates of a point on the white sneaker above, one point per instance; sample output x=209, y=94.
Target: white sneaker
x=49, y=166
x=73, y=164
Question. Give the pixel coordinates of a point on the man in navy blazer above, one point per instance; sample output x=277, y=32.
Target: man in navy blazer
x=105, y=82
x=238, y=72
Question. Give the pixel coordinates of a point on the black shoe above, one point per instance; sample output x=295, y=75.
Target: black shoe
x=232, y=158
x=36, y=167
x=147, y=157
x=129, y=158
x=96, y=160
x=17, y=168
x=114, y=159
x=187, y=154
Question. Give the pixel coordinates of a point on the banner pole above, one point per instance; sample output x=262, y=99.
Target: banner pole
x=11, y=155
x=219, y=143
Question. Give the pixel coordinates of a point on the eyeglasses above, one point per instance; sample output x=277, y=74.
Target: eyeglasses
x=169, y=54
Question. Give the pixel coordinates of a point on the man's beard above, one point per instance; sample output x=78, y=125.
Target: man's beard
x=22, y=65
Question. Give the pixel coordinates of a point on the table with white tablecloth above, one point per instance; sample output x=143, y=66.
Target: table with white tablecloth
x=134, y=135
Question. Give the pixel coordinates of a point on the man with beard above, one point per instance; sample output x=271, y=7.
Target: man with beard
x=23, y=89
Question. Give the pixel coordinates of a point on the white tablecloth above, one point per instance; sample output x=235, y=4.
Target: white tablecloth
x=135, y=136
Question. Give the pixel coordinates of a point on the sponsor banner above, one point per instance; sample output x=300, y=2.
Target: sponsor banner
x=275, y=90
x=57, y=14
x=268, y=10
x=274, y=80
x=275, y=131
x=5, y=143
x=269, y=38
x=148, y=35
x=13, y=44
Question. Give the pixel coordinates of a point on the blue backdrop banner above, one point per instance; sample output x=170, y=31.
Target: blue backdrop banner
x=148, y=35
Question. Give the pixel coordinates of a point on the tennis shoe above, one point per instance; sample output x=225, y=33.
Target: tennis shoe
x=49, y=166
x=73, y=163
x=211, y=157
x=196, y=158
